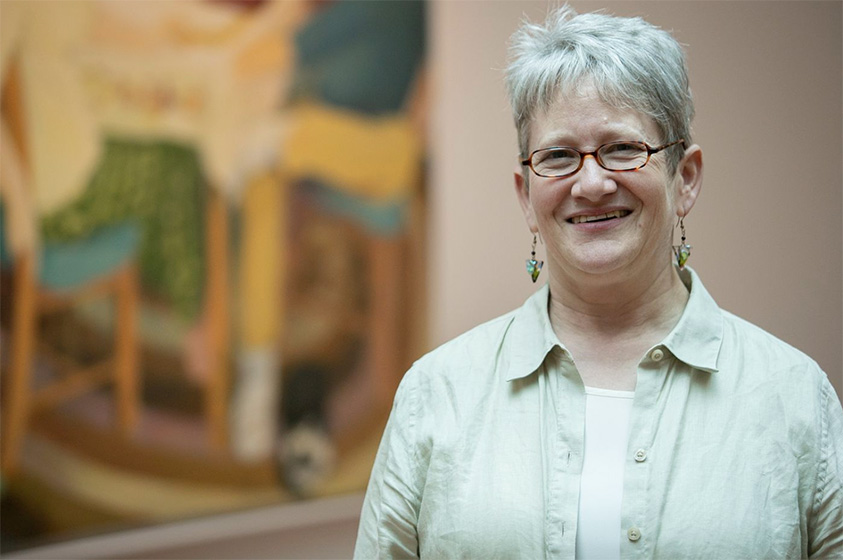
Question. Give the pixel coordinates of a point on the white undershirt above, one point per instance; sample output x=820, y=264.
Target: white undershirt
x=601, y=487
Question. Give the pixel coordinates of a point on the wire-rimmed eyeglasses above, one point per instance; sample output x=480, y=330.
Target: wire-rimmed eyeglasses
x=562, y=161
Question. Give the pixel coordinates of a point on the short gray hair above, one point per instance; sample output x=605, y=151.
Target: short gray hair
x=632, y=64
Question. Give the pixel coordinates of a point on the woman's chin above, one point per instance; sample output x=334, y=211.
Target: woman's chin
x=601, y=268
x=600, y=262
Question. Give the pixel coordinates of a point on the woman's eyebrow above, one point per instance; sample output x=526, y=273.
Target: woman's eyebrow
x=562, y=139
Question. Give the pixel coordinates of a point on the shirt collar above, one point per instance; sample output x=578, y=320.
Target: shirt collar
x=697, y=337
x=531, y=335
x=695, y=340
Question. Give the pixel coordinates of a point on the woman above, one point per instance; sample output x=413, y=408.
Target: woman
x=619, y=411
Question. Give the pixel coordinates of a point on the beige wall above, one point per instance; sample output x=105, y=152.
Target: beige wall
x=767, y=229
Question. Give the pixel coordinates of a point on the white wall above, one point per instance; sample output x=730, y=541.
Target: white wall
x=766, y=232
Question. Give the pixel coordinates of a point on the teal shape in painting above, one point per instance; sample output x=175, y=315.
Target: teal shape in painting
x=361, y=55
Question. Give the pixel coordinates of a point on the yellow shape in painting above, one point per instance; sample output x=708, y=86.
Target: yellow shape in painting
x=372, y=156
x=261, y=279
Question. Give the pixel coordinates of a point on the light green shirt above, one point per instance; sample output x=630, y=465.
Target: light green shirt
x=735, y=447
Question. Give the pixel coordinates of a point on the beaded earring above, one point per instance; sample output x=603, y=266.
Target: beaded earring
x=683, y=250
x=534, y=267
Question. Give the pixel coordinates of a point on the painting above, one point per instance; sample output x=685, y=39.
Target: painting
x=213, y=217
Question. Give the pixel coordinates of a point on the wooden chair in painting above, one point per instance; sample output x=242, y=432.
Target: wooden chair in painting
x=49, y=277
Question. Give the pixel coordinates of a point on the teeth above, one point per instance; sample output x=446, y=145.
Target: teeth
x=606, y=216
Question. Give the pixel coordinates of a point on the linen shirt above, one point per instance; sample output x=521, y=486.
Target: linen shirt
x=735, y=447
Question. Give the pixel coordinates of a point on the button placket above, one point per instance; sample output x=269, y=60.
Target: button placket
x=635, y=499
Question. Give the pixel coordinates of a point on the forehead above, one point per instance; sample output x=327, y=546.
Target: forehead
x=583, y=120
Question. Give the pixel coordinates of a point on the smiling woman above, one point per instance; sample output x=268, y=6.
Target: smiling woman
x=646, y=202
x=750, y=88
x=619, y=411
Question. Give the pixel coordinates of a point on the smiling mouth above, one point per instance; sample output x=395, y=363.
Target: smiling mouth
x=600, y=217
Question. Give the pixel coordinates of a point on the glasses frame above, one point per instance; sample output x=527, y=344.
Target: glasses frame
x=650, y=151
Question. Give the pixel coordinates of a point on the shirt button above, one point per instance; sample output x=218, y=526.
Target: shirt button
x=657, y=355
x=640, y=455
x=633, y=534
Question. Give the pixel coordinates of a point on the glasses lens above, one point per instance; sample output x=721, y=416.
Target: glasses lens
x=554, y=162
x=622, y=156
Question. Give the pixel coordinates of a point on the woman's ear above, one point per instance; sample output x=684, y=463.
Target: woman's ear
x=522, y=190
x=690, y=173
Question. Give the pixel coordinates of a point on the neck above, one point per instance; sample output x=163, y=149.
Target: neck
x=612, y=306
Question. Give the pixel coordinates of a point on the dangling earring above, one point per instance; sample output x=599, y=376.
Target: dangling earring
x=683, y=250
x=534, y=267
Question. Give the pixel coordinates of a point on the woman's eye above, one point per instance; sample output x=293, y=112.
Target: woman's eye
x=622, y=147
x=560, y=155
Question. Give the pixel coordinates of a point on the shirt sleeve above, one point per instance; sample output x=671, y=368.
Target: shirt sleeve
x=388, y=522
x=825, y=525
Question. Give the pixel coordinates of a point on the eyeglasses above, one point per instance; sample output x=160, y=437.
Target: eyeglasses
x=614, y=156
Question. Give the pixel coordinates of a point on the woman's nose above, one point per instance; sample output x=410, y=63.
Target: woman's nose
x=592, y=182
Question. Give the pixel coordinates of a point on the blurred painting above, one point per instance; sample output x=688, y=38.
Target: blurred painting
x=211, y=233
